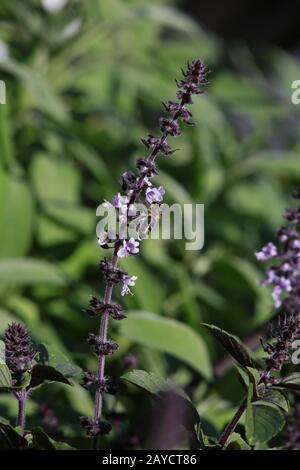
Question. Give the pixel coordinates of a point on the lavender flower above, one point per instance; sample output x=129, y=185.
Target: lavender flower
x=19, y=353
x=138, y=189
x=20, y=358
x=155, y=195
x=284, y=274
x=128, y=281
x=102, y=347
x=129, y=247
x=267, y=252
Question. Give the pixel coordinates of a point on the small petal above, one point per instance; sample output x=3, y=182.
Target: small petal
x=129, y=247
x=267, y=252
x=128, y=281
x=155, y=195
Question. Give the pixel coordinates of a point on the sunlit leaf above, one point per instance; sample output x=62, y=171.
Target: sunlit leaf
x=169, y=336
x=28, y=271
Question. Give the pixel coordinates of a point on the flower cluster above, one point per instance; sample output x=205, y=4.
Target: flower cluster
x=138, y=190
x=113, y=274
x=19, y=353
x=284, y=334
x=106, y=385
x=94, y=427
x=138, y=187
x=284, y=273
x=97, y=307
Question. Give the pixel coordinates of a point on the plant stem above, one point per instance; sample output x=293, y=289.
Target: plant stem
x=103, y=337
x=232, y=425
x=105, y=317
x=195, y=76
x=22, y=398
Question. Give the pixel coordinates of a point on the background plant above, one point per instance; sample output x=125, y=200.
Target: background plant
x=79, y=98
x=24, y=368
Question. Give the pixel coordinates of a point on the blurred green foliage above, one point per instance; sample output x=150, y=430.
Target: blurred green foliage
x=83, y=85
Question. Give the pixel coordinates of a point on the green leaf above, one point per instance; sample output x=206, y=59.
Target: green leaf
x=157, y=385
x=91, y=160
x=43, y=373
x=291, y=382
x=263, y=420
x=29, y=271
x=250, y=375
x=273, y=163
x=41, y=441
x=151, y=382
x=58, y=445
x=10, y=438
x=39, y=91
x=55, y=180
x=171, y=17
x=49, y=356
x=23, y=380
x=15, y=205
x=236, y=90
x=276, y=397
x=7, y=153
x=5, y=376
x=232, y=345
x=236, y=442
x=169, y=336
x=50, y=232
x=76, y=218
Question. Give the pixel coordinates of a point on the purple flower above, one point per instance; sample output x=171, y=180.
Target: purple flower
x=19, y=353
x=146, y=183
x=146, y=167
x=157, y=145
x=102, y=347
x=125, y=210
x=128, y=180
x=284, y=334
x=282, y=285
x=296, y=244
x=267, y=252
x=129, y=247
x=276, y=295
x=285, y=276
x=270, y=277
x=105, y=238
x=118, y=202
x=183, y=113
x=155, y=195
x=169, y=126
x=128, y=281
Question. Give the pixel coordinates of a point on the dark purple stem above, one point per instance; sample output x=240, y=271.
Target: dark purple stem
x=22, y=398
x=103, y=336
x=232, y=425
